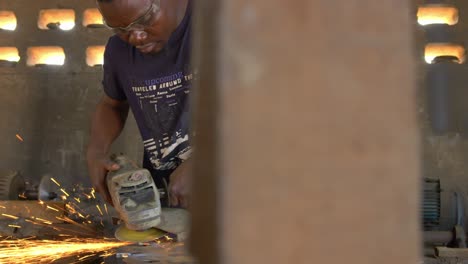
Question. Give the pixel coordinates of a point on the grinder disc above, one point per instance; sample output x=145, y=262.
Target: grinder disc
x=124, y=234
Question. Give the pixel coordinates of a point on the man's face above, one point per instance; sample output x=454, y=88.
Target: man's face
x=142, y=23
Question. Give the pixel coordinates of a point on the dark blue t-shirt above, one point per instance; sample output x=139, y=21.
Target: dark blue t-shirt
x=156, y=87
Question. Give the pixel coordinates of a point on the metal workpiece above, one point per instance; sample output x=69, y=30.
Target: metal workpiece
x=438, y=237
x=451, y=209
x=455, y=238
x=13, y=187
x=154, y=252
x=175, y=221
x=460, y=237
x=45, y=191
x=447, y=252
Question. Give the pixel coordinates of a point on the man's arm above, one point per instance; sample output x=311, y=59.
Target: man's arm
x=180, y=184
x=107, y=123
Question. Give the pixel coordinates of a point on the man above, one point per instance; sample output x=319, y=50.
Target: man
x=146, y=69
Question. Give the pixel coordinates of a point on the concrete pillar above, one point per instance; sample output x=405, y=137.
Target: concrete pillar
x=307, y=142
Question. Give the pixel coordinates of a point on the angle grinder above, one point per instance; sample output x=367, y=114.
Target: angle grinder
x=137, y=201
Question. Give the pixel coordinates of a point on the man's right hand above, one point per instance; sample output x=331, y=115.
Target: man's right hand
x=98, y=167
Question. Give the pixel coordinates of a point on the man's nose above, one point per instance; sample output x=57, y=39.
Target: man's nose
x=137, y=36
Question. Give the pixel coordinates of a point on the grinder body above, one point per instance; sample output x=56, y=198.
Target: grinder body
x=134, y=195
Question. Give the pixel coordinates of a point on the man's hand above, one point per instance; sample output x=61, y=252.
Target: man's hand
x=98, y=166
x=180, y=184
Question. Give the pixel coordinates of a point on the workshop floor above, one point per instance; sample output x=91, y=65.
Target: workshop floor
x=152, y=253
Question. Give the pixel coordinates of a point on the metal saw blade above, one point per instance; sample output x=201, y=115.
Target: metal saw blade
x=124, y=234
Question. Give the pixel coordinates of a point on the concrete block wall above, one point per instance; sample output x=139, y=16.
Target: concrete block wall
x=50, y=106
x=445, y=155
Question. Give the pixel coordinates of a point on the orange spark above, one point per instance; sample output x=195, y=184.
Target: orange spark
x=46, y=251
x=52, y=179
x=19, y=138
x=99, y=208
x=70, y=221
x=10, y=216
x=72, y=210
x=64, y=192
x=42, y=220
x=51, y=208
x=17, y=226
x=87, y=256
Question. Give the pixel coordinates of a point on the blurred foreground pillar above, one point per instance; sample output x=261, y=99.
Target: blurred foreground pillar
x=307, y=143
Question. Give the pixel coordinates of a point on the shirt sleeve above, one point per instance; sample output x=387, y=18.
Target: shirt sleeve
x=110, y=82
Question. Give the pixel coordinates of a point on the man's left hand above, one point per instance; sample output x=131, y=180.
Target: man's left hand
x=179, y=185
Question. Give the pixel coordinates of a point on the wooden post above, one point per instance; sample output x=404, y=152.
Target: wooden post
x=307, y=147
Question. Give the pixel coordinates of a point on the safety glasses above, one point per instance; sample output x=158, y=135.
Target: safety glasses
x=141, y=23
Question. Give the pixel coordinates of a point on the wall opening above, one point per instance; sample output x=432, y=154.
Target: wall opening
x=63, y=19
x=7, y=20
x=95, y=55
x=9, y=56
x=50, y=55
x=437, y=14
x=437, y=50
x=92, y=18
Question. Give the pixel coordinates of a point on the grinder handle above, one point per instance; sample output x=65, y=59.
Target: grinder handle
x=123, y=161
